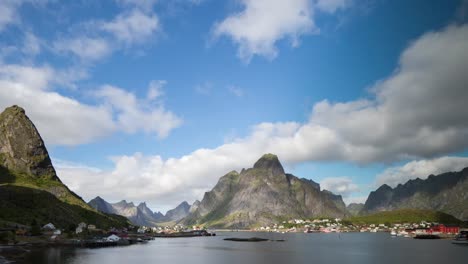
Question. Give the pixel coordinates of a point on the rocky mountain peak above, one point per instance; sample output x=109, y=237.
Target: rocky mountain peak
x=269, y=162
x=21, y=147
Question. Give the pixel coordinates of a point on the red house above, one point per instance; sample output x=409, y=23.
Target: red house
x=446, y=229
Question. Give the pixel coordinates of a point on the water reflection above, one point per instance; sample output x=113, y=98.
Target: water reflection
x=298, y=248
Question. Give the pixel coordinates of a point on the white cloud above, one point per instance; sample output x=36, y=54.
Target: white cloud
x=262, y=23
x=339, y=185
x=420, y=169
x=60, y=118
x=132, y=27
x=135, y=115
x=86, y=48
x=96, y=39
x=419, y=111
x=31, y=45
x=355, y=199
x=8, y=12
x=155, y=89
x=331, y=6
x=237, y=91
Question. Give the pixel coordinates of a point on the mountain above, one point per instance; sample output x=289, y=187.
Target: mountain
x=29, y=186
x=178, y=213
x=194, y=206
x=101, y=205
x=141, y=215
x=354, y=208
x=447, y=192
x=262, y=195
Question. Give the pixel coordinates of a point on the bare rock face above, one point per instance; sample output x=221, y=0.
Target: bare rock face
x=21, y=147
x=446, y=192
x=262, y=195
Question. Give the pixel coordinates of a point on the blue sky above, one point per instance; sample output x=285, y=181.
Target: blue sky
x=167, y=96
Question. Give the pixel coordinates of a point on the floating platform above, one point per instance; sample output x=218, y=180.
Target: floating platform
x=251, y=239
x=196, y=233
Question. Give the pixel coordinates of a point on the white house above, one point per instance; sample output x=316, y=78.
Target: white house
x=113, y=238
x=49, y=226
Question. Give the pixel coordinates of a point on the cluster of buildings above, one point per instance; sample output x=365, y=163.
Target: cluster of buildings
x=328, y=225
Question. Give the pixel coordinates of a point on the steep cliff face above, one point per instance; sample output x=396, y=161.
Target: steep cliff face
x=447, y=192
x=262, y=195
x=29, y=178
x=22, y=149
x=24, y=157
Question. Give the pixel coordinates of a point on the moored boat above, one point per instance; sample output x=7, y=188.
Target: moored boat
x=461, y=238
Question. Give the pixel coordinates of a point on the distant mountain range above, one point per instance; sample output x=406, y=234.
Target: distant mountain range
x=29, y=186
x=446, y=192
x=141, y=215
x=262, y=195
x=354, y=208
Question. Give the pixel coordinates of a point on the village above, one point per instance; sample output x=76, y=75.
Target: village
x=88, y=235
x=421, y=230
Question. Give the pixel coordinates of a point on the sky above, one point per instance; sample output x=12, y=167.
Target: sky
x=154, y=100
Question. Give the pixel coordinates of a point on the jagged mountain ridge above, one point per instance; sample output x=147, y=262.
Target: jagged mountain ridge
x=446, y=192
x=141, y=215
x=354, y=208
x=262, y=195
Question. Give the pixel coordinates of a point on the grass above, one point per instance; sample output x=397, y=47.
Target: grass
x=405, y=216
x=22, y=205
x=24, y=198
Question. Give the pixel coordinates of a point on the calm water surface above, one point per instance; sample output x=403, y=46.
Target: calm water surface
x=298, y=248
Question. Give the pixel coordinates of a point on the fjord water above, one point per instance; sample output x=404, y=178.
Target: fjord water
x=298, y=248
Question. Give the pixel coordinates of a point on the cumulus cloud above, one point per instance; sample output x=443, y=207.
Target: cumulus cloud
x=262, y=23
x=135, y=115
x=96, y=39
x=60, y=118
x=339, y=185
x=417, y=112
x=86, y=48
x=420, y=169
x=132, y=27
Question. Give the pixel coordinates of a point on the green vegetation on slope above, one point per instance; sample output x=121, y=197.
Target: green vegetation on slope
x=23, y=205
x=405, y=216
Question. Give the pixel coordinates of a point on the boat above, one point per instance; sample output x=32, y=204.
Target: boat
x=393, y=233
x=461, y=238
x=426, y=236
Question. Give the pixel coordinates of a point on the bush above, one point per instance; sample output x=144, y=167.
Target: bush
x=7, y=236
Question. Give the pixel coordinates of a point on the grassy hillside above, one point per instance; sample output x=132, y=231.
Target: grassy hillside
x=24, y=198
x=405, y=216
x=23, y=205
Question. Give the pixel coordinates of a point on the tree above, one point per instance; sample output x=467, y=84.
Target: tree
x=35, y=228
